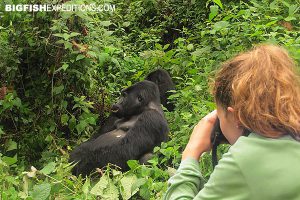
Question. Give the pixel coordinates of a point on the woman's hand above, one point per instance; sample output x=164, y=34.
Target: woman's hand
x=200, y=139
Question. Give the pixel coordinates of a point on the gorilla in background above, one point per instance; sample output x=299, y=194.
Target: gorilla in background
x=164, y=82
x=140, y=125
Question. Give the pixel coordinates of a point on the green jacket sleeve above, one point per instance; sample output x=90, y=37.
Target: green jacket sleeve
x=226, y=182
x=187, y=181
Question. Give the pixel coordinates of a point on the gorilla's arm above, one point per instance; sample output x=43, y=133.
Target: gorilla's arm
x=107, y=126
x=149, y=131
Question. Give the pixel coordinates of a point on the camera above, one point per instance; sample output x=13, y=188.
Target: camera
x=216, y=138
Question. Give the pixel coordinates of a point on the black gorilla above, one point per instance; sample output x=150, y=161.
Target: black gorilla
x=140, y=126
x=164, y=82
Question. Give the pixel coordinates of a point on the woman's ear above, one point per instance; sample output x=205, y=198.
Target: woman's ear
x=230, y=109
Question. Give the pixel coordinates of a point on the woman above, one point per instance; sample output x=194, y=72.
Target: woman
x=260, y=91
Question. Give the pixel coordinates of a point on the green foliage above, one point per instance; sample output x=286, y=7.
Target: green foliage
x=63, y=70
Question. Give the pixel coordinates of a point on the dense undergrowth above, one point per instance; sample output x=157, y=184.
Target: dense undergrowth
x=63, y=70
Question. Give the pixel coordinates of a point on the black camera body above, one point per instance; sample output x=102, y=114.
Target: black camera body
x=216, y=138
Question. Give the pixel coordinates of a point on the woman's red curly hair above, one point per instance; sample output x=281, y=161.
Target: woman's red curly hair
x=263, y=87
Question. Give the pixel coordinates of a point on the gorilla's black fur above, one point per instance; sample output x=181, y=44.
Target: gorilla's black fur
x=140, y=126
x=164, y=82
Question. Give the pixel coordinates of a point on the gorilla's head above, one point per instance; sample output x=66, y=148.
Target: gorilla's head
x=136, y=98
x=163, y=80
x=165, y=84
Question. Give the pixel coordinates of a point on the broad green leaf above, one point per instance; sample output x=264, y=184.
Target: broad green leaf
x=138, y=183
x=103, y=57
x=127, y=183
x=241, y=12
x=81, y=126
x=105, y=23
x=126, y=24
x=132, y=164
x=68, y=45
x=158, y=46
x=12, y=145
x=58, y=35
x=213, y=12
x=111, y=193
x=64, y=104
x=64, y=66
x=220, y=25
x=58, y=89
x=190, y=47
x=22, y=195
x=52, y=127
x=49, y=168
x=66, y=36
x=41, y=192
x=92, y=53
x=169, y=54
x=60, y=42
x=10, y=160
x=166, y=46
x=73, y=34
x=129, y=83
x=105, y=189
x=17, y=102
x=273, y=5
x=292, y=10
x=219, y=3
x=200, y=52
x=107, y=33
x=98, y=189
x=271, y=23
x=290, y=18
x=91, y=120
x=145, y=193
x=49, y=138
x=64, y=119
x=80, y=57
